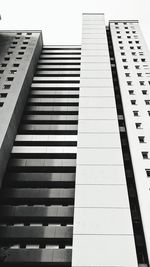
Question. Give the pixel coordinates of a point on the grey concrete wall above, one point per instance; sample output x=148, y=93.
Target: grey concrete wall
x=18, y=58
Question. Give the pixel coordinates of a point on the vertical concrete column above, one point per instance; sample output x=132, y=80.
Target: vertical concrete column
x=103, y=234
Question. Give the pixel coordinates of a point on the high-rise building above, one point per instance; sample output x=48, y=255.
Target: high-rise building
x=75, y=148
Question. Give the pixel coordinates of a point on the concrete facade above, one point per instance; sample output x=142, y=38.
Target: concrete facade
x=102, y=219
x=19, y=53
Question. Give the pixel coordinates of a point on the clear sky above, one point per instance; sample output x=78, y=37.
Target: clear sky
x=61, y=20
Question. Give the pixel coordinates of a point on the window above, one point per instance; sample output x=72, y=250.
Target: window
x=145, y=155
x=121, y=47
x=129, y=83
x=139, y=74
x=148, y=172
x=143, y=59
x=147, y=102
x=131, y=92
x=137, y=67
x=3, y=65
x=1, y=71
x=6, y=58
x=29, y=33
x=142, y=82
x=144, y=92
x=141, y=139
x=126, y=67
x=131, y=47
x=148, y=113
x=122, y=53
x=138, y=125
x=10, y=79
x=13, y=71
x=135, y=60
x=127, y=74
x=1, y=104
x=6, y=86
x=3, y=95
x=15, y=65
x=19, y=33
x=138, y=47
x=124, y=60
x=20, y=53
x=23, y=47
x=133, y=102
x=133, y=53
x=137, y=42
x=136, y=113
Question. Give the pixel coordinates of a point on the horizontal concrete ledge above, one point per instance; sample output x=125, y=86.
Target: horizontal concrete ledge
x=112, y=21
x=92, y=14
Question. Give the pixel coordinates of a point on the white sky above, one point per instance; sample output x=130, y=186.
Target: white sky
x=61, y=20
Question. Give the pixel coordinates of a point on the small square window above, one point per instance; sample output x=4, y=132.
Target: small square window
x=23, y=47
x=29, y=33
x=19, y=33
x=145, y=155
x=7, y=58
x=137, y=67
x=20, y=53
x=129, y=83
x=13, y=71
x=131, y=92
x=121, y=47
x=143, y=59
x=141, y=139
x=127, y=74
x=3, y=95
x=27, y=38
x=131, y=47
x=138, y=125
x=16, y=65
x=1, y=71
x=138, y=47
x=6, y=86
x=142, y=82
x=1, y=104
x=133, y=102
x=148, y=113
x=126, y=67
x=147, y=102
x=144, y=92
x=136, y=113
x=137, y=42
x=10, y=79
x=148, y=172
x=139, y=74
x=25, y=43
x=130, y=42
x=3, y=65
x=124, y=60
x=133, y=53
x=123, y=53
